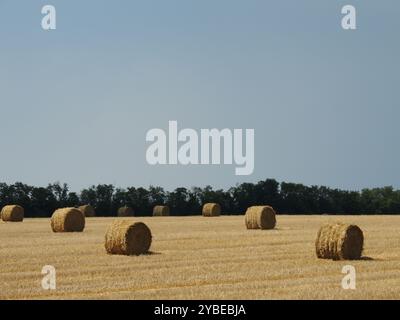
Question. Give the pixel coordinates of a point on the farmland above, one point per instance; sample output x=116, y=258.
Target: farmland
x=198, y=258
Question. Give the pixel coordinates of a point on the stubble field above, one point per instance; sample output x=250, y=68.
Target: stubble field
x=199, y=258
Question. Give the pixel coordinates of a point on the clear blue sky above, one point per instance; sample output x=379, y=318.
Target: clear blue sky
x=76, y=103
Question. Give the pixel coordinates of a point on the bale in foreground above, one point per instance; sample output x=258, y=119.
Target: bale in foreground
x=211, y=210
x=126, y=212
x=68, y=220
x=12, y=213
x=128, y=238
x=160, y=211
x=339, y=241
x=87, y=210
x=260, y=217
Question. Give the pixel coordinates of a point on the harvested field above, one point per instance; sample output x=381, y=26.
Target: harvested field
x=241, y=264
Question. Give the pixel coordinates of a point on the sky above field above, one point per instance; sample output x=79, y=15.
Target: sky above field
x=76, y=102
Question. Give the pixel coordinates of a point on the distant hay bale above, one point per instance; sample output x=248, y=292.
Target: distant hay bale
x=68, y=220
x=160, y=211
x=12, y=213
x=339, y=241
x=87, y=210
x=127, y=238
x=126, y=212
x=260, y=217
x=211, y=210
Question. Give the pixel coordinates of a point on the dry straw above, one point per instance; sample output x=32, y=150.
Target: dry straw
x=160, y=211
x=339, y=241
x=211, y=210
x=87, y=210
x=67, y=220
x=127, y=238
x=12, y=213
x=260, y=217
x=126, y=212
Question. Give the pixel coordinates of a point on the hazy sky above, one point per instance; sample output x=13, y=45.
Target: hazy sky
x=76, y=102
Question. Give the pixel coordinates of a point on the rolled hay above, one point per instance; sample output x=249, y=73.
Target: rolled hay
x=211, y=210
x=68, y=220
x=339, y=241
x=160, y=211
x=87, y=210
x=12, y=213
x=260, y=217
x=128, y=238
x=126, y=212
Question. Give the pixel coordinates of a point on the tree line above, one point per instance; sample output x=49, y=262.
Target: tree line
x=288, y=198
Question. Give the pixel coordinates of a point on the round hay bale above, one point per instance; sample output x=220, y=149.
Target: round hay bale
x=12, y=213
x=68, y=220
x=339, y=241
x=87, y=210
x=127, y=238
x=160, y=211
x=260, y=217
x=126, y=212
x=211, y=210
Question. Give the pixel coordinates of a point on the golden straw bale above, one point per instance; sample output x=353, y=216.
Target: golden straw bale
x=12, y=213
x=339, y=241
x=127, y=238
x=161, y=211
x=211, y=210
x=67, y=220
x=126, y=212
x=260, y=217
x=87, y=210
